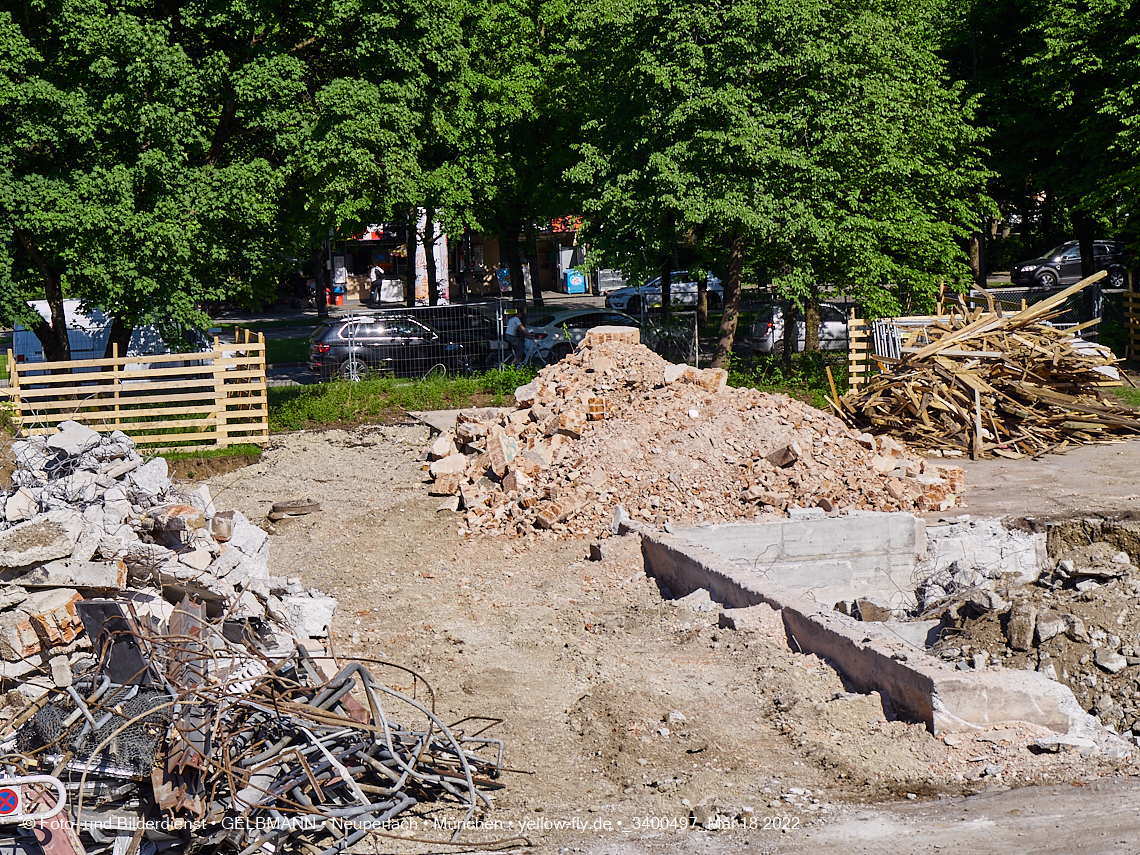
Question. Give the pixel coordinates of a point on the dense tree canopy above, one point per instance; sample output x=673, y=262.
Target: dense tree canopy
x=155, y=155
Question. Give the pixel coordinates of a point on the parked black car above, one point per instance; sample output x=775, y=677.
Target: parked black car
x=1062, y=265
x=353, y=346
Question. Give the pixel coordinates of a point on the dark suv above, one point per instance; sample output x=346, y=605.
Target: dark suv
x=1062, y=265
x=399, y=345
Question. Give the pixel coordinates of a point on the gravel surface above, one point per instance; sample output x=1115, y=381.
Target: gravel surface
x=617, y=707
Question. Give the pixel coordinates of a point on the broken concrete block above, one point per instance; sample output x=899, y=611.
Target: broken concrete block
x=699, y=601
x=309, y=616
x=73, y=439
x=176, y=518
x=673, y=373
x=556, y=512
x=17, y=637
x=248, y=538
x=11, y=595
x=53, y=615
x=601, y=335
x=1109, y=660
x=204, y=501
x=873, y=609
x=891, y=447
x=71, y=573
x=517, y=481
x=713, y=380
x=444, y=446
x=883, y=465
x=501, y=450
x=451, y=503
x=61, y=672
x=596, y=553
x=759, y=618
x=119, y=469
x=152, y=478
x=455, y=464
x=247, y=607
x=445, y=484
x=1022, y=622
x=21, y=505
x=196, y=559
x=525, y=395
x=1048, y=626
x=786, y=456
x=47, y=537
x=88, y=542
x=572, y=423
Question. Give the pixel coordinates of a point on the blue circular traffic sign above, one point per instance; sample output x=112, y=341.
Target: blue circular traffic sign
x=9, y=801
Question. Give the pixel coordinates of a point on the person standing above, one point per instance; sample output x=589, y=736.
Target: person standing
x=515, y=333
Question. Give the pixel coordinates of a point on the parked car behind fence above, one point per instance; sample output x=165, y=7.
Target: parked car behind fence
x=768, y=329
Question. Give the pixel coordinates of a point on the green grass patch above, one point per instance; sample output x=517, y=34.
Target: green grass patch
x=1127, y=395
x=807, y=380
x=243, y=450
x=381, y=399
x=279, y=350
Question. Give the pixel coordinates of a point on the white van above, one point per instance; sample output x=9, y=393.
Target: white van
x=88, y=334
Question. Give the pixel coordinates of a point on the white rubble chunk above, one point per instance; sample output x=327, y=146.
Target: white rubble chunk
x=73, y=438
x=152, y=478
x=309, y=616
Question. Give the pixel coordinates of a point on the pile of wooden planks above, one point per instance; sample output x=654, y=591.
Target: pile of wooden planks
x=984, y=383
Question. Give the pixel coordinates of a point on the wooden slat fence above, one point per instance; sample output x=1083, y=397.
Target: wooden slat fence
x=176, y=401
x=1132, y=324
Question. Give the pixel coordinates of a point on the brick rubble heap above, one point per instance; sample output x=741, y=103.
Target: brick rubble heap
x=614, y=423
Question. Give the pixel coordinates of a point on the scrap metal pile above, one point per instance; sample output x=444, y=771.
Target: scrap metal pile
x=180, y=691
x=986, y=384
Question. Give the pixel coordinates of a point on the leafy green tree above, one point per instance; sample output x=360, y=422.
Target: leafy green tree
x=145, y=156
x=819, y=138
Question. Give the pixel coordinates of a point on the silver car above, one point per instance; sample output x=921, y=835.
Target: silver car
x=768, y=329
x=556, y=332
x=682, y=291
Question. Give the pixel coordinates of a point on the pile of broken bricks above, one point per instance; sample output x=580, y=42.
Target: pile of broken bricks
x=178, y=691
x=615, y=424
x=87, y=516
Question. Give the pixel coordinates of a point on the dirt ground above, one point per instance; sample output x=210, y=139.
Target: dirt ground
x=625, y=715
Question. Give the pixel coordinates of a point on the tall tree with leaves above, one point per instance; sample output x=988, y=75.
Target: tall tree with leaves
x=820, y=138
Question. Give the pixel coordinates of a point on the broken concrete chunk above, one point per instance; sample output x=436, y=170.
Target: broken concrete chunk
x=556, y=512
x=1048, y=626
x=786, y=456
x=1019, y=630
x=11, y=595
x=873, y=609
x=53, y=615
x=73, y=439
x=526, y=395
x=152, y=478
x=248, y=538
x=454, y=464
x=501, y=450
x=47, y=537
x=21, y=505
x=71, y=573
x=61, y=672
x=1109, y=660
x=309, y=616
x=176, y=518
x=673, y=373
x=444, y=446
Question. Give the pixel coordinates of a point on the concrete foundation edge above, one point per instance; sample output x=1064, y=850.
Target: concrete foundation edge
x=919, y=687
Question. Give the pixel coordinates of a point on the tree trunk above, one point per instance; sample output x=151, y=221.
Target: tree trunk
x=811, y=324
x=120, y=335
x=731, y=301
x=429, y=257
x=53, y=336
x=532, y=261
x=703, y=301
x=975, y=256
x=410, y=267
x=791, y=335
x=666, y=285
x=319, y=271
x=509, y=246
x=1086, y=232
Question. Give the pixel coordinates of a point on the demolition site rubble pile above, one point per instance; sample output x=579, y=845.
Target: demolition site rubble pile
x=181, y=692
x=1076, y=622
x=615, y=424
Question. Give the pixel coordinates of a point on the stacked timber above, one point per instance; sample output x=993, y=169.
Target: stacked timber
x=989, y=384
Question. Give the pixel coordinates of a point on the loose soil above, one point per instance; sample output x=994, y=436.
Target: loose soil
x=616, y=705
